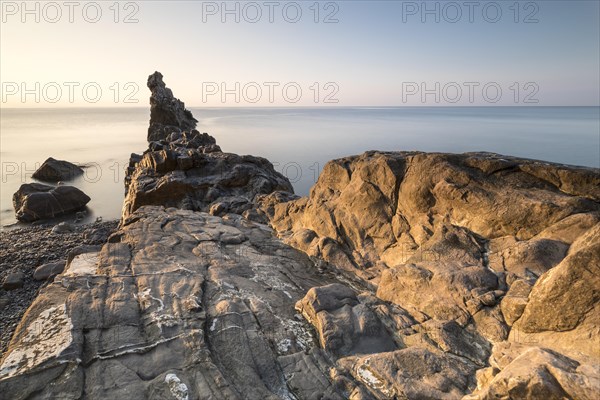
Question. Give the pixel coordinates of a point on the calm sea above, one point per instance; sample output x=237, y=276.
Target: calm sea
x=299, y=141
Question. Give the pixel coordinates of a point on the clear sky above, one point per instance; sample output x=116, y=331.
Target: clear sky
x=360, y=53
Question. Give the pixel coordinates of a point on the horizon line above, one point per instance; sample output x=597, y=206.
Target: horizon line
x=307, y=107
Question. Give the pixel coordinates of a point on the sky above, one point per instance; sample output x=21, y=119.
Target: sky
x=303, y=53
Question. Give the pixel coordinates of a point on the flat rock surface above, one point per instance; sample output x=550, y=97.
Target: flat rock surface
x=172, y=296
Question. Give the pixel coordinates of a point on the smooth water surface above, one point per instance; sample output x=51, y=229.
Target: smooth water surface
x=299, y=141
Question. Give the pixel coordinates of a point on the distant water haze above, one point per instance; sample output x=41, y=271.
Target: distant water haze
x=298, y=141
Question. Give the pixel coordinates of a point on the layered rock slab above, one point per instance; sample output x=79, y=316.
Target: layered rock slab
x=172, y=301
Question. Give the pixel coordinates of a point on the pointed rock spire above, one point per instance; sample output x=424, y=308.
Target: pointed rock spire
x=167, y=113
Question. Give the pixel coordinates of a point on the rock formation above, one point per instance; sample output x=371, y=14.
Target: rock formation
x=34, y=201
x=57, y=170
x=489, y=258
x=185, y=169
x=167, y=114
x=403, y=275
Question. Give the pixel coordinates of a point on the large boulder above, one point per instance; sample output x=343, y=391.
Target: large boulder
x=57, y=170
x=563, y=308
x=34, y=201
x=48, y=270
x=529, y=372
x=412, y=373
x=13, y=281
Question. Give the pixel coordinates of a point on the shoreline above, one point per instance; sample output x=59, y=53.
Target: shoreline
x=88, y=219
x=24, y=248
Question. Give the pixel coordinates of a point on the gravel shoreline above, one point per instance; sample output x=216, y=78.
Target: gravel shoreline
x=24, y=249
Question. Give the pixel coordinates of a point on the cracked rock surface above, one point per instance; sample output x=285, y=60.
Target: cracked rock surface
x=172, y=295
x=403, y=275
x=489, y=261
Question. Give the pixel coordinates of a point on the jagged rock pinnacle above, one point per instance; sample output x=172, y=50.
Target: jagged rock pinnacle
x=167, y=113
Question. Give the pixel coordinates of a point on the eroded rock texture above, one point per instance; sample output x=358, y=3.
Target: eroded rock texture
x=186, y=169
x=401, y=276
x=167, y=113
x=475, y=256
x=206, y=299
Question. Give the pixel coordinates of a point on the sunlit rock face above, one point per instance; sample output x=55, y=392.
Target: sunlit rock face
x=477, y=256
x=403, y=275
x=387, y=209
